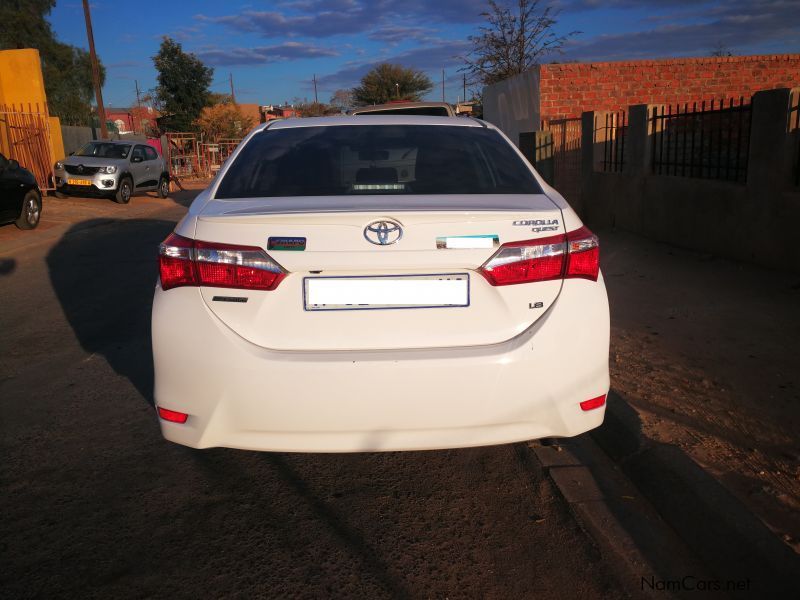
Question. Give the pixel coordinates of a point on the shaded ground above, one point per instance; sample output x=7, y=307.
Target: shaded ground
x=707, y=351
x=96, y=504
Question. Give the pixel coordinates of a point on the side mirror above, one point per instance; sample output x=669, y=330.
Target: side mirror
x=71, y=153
x=136, y=159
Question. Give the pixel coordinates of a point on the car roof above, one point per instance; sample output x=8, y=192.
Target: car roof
x=127, y=142
x=373, y=120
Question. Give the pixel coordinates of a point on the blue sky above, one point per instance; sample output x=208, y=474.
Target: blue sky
x=274, y=48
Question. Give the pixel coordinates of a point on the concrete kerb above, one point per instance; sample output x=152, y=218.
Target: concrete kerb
x=731, y=541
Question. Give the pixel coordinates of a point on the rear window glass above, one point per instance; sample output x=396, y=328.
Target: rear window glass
x=376, y=159
x=432, y=111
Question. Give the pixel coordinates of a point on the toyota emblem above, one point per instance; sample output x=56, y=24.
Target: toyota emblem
x=383, y=233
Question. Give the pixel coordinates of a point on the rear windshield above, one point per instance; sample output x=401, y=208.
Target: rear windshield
x=376, y=159
x=104, y=150
x=432, y=111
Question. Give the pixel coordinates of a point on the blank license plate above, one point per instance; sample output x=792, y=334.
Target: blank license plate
x=79, y=182
x=384, y=292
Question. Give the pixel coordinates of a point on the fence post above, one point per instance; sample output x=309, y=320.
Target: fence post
x=537, y=146
x=638, y=145
x=769, y=157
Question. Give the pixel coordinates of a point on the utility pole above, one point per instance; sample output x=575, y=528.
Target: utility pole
x=465, y=87
x=314, y=78
x=442, y=85
x=233, y=96
x=98, y=93
x=138, y=105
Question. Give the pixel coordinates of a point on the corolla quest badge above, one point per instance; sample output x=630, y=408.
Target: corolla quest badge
x=384, y=232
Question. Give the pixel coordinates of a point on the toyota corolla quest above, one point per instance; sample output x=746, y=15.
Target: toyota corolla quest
x=378, y=283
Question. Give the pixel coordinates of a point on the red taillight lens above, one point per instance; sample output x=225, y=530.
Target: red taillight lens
x=593, y=403
x=583, y=254
x=193, y=262
x=554, y=257
x=172, y=416
x=175, y=262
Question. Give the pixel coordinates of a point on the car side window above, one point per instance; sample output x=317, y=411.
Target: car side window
x=138, y=152
x=150, y=153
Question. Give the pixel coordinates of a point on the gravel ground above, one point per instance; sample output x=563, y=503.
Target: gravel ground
x=95, y=504
x=707, y=352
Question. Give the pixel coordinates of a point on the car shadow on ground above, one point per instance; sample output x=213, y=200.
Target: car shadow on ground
x=103, y=272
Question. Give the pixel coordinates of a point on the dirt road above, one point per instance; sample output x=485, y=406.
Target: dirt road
x=96, y=504
x=708, y=351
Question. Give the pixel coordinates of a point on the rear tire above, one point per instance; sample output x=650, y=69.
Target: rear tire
x=31, y=211
x=163, y=187
x=124, y=191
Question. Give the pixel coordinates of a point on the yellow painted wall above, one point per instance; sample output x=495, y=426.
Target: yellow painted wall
x=21, y=78
x=56, y=139
x=21, y=83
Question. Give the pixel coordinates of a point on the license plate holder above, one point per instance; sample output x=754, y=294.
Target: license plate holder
x=386, y=292
x=71, y=181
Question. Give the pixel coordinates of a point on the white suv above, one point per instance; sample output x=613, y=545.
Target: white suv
x=378, y=283
x=114, y=169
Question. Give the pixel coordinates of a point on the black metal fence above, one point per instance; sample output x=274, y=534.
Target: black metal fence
x=614, y=126
x=709, y=141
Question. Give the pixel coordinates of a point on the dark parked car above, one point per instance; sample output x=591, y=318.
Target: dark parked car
x=20, y=199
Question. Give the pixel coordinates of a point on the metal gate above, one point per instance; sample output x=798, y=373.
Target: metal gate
x=25, y=137
x=566, y=134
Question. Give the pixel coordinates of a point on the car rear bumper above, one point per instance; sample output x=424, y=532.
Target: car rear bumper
x=243, y=396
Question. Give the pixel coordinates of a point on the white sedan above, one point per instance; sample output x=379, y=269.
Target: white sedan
x=378, y=283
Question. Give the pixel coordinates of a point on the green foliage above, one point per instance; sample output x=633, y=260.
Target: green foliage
x=512, y=41
x=182, y=90
x=391, y=82
x=67, y=70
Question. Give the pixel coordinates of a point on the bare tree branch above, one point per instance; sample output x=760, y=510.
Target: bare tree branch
x=512, y=41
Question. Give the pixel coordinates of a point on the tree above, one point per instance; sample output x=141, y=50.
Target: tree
x=391, y=82
x=342, y=100
x=305, y=108
x=67, y=70
x=223, y=120
x=721, y=50
x=512, y=41
x=183, y=82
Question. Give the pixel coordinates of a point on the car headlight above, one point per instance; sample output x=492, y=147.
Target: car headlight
x=110, y=170
x=59, y=166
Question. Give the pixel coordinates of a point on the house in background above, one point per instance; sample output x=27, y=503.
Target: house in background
x=136, y=119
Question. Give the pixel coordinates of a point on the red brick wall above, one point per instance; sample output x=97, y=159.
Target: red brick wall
x=566, y=90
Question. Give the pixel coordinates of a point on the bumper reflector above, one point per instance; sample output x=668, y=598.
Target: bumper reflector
x=593, y=403
x=172, y=416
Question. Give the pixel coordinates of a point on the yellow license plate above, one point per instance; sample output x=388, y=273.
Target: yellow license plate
x=79, y=182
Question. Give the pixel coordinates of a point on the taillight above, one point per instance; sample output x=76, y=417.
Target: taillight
x=576, y=254
x=587, y=405
x=172, y=416
x=197, y=263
